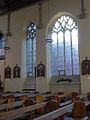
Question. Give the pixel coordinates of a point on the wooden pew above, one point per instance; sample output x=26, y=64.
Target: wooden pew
x=59, y=112
x=20, y=103
x=13, y=114
x=87, y=103
x=20, y=112
x=2, y=100
x=79, y=111
x=30, y=95
x=13, y=104
x=16, y=104
x=7, y=105
x=56, y=113
x=40, y=99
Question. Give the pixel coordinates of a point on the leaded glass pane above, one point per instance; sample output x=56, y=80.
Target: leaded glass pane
x=64, y=51
x=2, y=45
x=31, y=49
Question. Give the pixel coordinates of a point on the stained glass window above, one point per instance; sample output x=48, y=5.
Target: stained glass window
x=2, y=45
x=64, y=47
x=31, y=50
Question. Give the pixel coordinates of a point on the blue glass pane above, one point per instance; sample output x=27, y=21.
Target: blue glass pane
x=65, y=54
x=31, y=49
x=2, y=45
x=75, y=37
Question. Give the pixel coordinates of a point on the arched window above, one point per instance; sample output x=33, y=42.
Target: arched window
x=2, y=46
x=64, y=47
x=31, y=50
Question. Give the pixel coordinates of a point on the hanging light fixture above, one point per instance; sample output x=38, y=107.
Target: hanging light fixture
x=40, y=24
x=48, y=38
x=8, y=33
x=83, y=14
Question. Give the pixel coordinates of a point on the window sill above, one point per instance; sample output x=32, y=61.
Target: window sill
x=65, y=83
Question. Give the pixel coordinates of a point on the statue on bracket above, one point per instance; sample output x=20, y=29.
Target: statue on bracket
x=85, y=66
x=40, y=70
x=16, y=71
x=7, y=72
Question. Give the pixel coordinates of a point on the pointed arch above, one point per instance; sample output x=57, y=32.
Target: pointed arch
x=31, y=50
x=64, y=46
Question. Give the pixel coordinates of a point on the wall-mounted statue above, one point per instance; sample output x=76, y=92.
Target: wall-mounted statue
x=7, y=72
x=85, y=66
x=16, y=71
x=40, y=70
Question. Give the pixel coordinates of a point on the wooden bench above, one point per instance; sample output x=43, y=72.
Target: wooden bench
x=7, y=105
x=2, y=100
x=56, y=113
x=59, y=112
x=20, y=102
x=30, y=95
x=21, y=111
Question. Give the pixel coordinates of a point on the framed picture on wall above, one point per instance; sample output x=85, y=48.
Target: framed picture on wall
x=7, y=72
x=40, y=70
x=16, y=71
x=85, y=66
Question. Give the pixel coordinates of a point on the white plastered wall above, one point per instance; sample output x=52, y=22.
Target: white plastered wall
x=19, y=21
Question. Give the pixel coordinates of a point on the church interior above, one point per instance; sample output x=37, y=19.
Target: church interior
x=50, y=77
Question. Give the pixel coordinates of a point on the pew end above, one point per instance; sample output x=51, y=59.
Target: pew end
x=79, y=111
x=39, y=99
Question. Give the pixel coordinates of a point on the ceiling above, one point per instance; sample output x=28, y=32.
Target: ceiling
x=13, y=5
